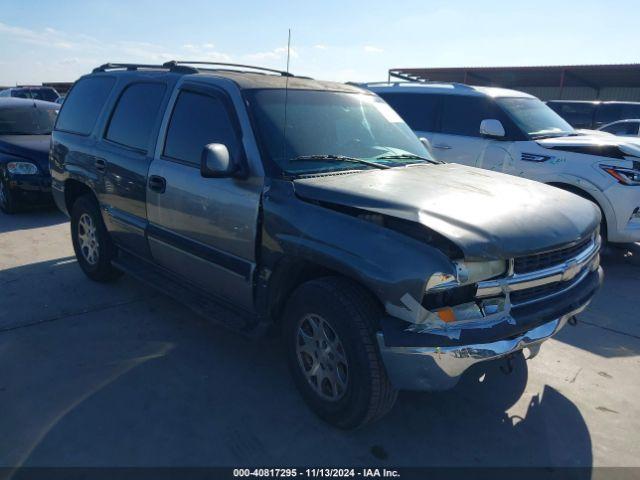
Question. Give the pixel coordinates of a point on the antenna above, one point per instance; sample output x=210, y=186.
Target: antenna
x=286, y=98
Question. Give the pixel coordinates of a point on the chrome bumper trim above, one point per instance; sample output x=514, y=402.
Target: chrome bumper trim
x=440, y=368
x=559, y=273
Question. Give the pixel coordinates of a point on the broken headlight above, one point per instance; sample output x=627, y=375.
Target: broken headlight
x=467, y=273
x=452, y=297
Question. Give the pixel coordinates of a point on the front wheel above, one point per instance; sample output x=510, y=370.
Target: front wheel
x=329, y=333
x=91, y=241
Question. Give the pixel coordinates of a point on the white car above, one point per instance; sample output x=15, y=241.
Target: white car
x=516, y=133
x=623, y=128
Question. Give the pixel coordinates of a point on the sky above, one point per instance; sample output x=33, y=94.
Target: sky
x=331, y=40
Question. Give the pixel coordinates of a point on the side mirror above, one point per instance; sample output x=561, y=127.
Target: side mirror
x=426, y=143
x=215, y=161
x=492, y=128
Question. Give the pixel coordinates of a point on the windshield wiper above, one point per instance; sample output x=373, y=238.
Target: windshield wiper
x=337, y=158
x=405, y=156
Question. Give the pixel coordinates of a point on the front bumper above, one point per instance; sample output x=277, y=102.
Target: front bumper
x=440, y=368
x=31, y=188
x=624, y=225
x=425, y=361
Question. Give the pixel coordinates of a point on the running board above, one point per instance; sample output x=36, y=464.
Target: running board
x=189, y=295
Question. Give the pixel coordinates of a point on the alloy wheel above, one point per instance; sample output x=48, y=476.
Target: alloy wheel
x=321, y=357
x=87, y=239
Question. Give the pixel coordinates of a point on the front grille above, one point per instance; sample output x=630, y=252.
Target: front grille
x=540, y=261
x=522, y=296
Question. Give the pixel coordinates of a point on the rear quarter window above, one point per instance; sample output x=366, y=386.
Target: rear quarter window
x=418, y=110
x=83, y=104
x=135, y=115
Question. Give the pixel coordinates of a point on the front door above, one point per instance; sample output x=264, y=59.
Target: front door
x=203, y=229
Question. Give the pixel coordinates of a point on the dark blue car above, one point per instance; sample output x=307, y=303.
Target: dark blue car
x=25, y=133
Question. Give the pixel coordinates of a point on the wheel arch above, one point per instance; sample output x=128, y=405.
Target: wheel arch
x=73, y=189
x=291, y=272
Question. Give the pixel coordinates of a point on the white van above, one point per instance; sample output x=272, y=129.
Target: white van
x=516, y=133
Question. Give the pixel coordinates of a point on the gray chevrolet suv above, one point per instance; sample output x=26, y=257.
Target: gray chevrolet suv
x=264, y=199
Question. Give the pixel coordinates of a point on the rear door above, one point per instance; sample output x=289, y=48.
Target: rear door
x=204, y=229
x=123, y=157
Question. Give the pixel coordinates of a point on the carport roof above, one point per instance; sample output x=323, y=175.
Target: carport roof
x=594, y=76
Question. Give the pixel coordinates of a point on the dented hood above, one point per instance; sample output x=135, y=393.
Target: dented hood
x=487, y=214
x=600, y=143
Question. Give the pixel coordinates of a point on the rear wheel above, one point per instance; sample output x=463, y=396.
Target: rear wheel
x=329, y=333
x=7, y=200
x=91, y=241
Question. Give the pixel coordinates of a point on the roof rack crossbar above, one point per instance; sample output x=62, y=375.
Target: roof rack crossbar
x=418, y=79
x=174, y=63
x=137, y=66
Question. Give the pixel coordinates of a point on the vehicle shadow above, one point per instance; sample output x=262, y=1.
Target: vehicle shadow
x=117, y=377
x=36, y=218
x=472, y=424
x=610, y=326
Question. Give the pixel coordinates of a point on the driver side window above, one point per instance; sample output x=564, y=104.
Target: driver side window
x=197, y=120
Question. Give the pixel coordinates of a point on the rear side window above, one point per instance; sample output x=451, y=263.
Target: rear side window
x=579, y=115
x=462, y=115
x=418, y=110
x=196, y=121
x=83, y=104
x=135, y=115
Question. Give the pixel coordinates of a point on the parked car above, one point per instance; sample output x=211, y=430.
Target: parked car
x=48, y=94
x=25, y=133
x=515, y=133
x=623, y=128
x=384, y=268
x=60, y=100
x=594, y=114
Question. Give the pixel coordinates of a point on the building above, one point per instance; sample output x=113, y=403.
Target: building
x=567, y=82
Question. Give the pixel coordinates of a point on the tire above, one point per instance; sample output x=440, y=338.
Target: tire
x=359, y=391
x=94, y=251
x=8, y=202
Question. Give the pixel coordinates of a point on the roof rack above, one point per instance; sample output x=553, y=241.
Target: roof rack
x=138, y=66
x=405, y=76
x=174, y=63
x=415, y=79
x=184, y=66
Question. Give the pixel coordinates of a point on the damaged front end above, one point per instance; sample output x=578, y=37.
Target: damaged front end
x=486, y=310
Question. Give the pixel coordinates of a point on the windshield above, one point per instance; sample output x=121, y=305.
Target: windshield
x=326, y=131
x=535, y=118
x=27, y=121
x=46, y=94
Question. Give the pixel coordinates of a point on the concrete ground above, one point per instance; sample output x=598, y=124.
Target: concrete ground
x=118, y=375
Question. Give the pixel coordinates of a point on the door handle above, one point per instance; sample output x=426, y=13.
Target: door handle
x=157, y=183
x=442, y=146
x=100, y=164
